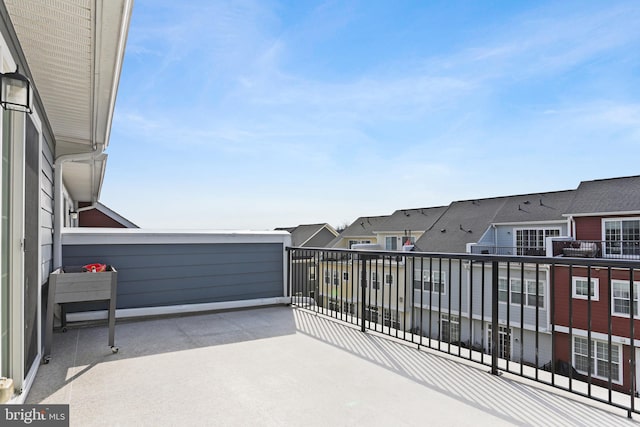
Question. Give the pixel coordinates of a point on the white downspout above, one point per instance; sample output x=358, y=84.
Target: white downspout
x=59, y=202
x=572, y=227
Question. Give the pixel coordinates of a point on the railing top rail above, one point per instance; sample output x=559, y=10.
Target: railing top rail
x=487, y=258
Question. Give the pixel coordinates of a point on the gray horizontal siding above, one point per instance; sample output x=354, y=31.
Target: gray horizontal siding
x=153, y=275
x=46, y=212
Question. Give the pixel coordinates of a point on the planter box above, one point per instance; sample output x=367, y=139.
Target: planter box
x=71, y=284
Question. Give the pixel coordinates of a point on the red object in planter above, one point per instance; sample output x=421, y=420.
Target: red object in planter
x=95, y=268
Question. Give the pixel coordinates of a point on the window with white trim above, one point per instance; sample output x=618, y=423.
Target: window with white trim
x=349, y=307
x=391, y=318
x=598, y=364
x=503, y=290
x=345, y=276
x=527, y=296
x=449, y=328
x=388, y=279
x=312, y=273
x=581, y=288
x=621, y=298
x=391, y=243
x=622, y=237
x=371, y=313
x=334, y=305
x=375, y=283
x=432, y=281
x=533, y=239
x=327, y=277
x=335, y=278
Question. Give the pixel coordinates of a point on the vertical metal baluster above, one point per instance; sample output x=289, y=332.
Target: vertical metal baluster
x=449, y=307
x=632, y=315
x=522, y=317
x=569, y=290
x=552, y=307
x=471, y=337
x=482, y=323
x=537, y=319
x=610, y=330
x=460, y=307
x=495, y=333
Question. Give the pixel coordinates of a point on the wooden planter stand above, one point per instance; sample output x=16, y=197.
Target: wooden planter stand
x=71, y=284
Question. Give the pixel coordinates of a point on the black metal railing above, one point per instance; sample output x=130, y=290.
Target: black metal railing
x=567, y=322
x=614, y=249
x=508, y=250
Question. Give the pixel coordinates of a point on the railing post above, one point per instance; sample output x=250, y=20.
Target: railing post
x=495, y=333
x=363, y=285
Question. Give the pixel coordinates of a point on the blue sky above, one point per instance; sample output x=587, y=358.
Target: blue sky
x=256, y=114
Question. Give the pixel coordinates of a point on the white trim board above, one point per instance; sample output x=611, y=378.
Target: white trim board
x=176, y=309
x=137, y=236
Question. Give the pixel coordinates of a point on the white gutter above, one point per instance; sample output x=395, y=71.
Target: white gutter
x=58, y=207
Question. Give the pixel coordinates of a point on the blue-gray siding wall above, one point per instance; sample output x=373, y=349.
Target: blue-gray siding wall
x=151, y=275
x=46, y=213
x=506, y=234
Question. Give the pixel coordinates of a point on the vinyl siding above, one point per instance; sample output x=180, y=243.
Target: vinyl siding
x=46, y=212
x=151, y=275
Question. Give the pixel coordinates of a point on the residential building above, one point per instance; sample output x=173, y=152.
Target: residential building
x=594, y=323
x=98, y=215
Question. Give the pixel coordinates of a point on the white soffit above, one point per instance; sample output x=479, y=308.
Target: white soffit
x=74, y=49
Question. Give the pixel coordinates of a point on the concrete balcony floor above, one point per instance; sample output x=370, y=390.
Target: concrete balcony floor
x=279, y=366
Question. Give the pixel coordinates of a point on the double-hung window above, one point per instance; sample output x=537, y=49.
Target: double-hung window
x=432, y=281
x=530, y=296
x=375, y=283
x=598, y=363
x=582, y=290
x=621, y=298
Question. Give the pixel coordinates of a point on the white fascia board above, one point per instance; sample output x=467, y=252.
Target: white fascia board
x=617, y=213
x=527, y=223
x=137, y=236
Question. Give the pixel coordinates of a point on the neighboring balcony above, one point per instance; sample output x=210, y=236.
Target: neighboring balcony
x=508, y=250
x=620, y=249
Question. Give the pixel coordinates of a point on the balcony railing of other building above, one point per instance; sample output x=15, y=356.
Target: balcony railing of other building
x=507, y=250
x=571, y=323
x=614, y=249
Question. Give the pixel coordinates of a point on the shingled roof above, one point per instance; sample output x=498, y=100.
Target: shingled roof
x=463, y=222
x=614, y=195
x=536, y=207
x=419, y=219
x=304, y=233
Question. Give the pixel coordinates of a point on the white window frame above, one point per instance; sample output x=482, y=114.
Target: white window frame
x=605, y=247
x=388, y=240
x=595, y=358
x=537, y=230
x=526, y=294
x=388, y=279
x=391, y=318
x=453, y=322
x=428, y=278
x=595, y=286
x=312, y=272
x=370, y=311
x=636, y=297
x=375, y=283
